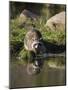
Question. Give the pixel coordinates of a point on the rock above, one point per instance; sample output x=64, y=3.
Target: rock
x=27, y=13
x=23, y=18
x=57, y=22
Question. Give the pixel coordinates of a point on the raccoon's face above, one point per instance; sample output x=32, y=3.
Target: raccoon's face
x=33, y=40
x=36, y=45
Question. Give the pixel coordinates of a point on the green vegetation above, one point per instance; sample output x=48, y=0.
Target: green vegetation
x=18, y=29
x=17, y=34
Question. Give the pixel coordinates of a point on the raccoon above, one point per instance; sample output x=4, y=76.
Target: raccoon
x=33, y=41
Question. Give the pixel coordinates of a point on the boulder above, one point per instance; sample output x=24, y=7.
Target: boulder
x=23, y=18
x=29, y=14
x=57, y=22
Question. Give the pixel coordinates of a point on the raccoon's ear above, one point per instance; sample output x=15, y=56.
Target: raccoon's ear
x=39, y=34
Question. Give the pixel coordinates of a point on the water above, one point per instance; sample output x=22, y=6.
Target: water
x=51, y=74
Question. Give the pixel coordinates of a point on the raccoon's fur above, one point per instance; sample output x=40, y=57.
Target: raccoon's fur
x=33, y=41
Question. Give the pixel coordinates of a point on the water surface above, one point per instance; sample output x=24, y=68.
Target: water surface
x=49, y=76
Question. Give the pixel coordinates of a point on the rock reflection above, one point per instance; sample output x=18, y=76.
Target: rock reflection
x=57, y=63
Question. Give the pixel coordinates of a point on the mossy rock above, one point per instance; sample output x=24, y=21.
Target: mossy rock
x=55, y=27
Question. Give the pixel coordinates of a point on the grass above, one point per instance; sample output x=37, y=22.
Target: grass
x=17, y=33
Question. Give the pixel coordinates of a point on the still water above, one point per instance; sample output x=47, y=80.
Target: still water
x=51, y=74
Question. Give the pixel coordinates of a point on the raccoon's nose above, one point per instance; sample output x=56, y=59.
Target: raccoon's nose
x=38, y=45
